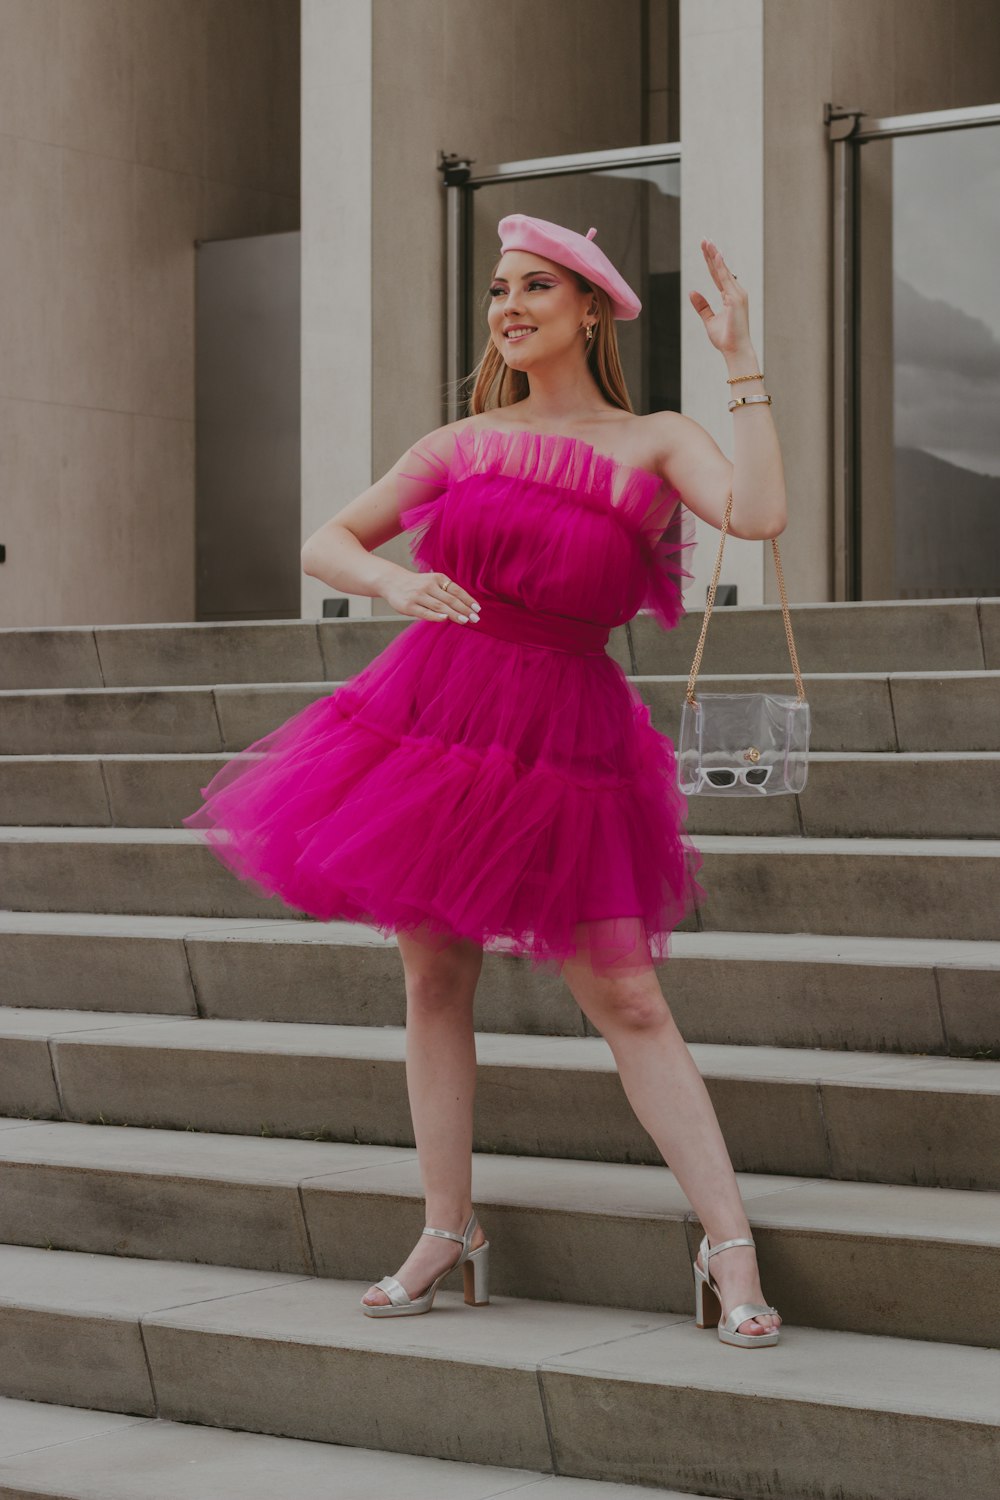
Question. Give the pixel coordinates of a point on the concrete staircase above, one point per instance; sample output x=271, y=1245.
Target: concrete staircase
x=205, y=1147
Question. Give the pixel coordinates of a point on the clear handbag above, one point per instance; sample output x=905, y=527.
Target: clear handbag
x=743, y=744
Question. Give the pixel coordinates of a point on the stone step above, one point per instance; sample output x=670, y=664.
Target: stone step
x=52, y=1452
x=602, y=1393
x=866, y=1117
x=758, y=989
x=875, y=712
x=606, y=1234
x=86, y=656
x=938, y=888
x=880, y=635
x=869, y=636
x=920, y=794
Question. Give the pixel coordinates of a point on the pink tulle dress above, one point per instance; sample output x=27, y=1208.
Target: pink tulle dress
x=502, y=780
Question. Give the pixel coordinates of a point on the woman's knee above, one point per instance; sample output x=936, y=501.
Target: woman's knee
x=440, y=978
x=626, y=1005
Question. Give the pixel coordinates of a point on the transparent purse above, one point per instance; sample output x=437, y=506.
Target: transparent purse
x=743, y=744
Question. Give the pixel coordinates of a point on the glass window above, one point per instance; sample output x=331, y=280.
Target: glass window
x=928, y=374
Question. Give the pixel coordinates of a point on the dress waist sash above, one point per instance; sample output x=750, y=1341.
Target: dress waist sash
x=512, y=622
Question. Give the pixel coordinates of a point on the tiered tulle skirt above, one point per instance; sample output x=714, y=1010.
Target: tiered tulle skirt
x=473, y=787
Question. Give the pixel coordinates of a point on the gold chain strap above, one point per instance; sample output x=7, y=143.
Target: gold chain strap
x=696, y=664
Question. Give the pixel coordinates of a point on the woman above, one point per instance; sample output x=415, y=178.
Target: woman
x=504, y=781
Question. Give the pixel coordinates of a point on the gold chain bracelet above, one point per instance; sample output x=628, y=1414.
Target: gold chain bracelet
x=733, y=379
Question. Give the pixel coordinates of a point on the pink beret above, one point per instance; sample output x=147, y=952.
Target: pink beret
x=575, y=251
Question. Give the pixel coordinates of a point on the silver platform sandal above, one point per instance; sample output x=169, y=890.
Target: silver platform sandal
x=708, y=1303
x=475, y=1271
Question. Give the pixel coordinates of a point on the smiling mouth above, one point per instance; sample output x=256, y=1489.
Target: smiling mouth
x=514, y=335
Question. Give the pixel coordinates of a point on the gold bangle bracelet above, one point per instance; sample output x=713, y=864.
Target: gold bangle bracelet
x=749, y=401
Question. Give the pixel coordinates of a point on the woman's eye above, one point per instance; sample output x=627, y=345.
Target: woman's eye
x=545, y=286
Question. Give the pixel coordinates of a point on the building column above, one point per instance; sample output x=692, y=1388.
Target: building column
x=722, y=199
x=336, y=267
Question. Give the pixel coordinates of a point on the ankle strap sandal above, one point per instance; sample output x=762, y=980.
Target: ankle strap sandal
x=708, y=1303
x=475, y=1271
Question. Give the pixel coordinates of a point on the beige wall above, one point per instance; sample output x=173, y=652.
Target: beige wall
x=661, y=48
x=128, y=129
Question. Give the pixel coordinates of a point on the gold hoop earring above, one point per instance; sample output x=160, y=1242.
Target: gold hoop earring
x=590, y=332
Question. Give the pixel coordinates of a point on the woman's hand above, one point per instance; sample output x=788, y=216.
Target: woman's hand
x=423, y=595
x=729, y=328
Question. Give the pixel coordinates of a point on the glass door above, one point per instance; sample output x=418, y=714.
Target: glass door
x=918, y=512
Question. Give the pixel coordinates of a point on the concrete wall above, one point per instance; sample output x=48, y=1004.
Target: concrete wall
x=128, y=129
x=661, y=48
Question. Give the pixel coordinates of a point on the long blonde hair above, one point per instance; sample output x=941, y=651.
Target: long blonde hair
x=494, y=383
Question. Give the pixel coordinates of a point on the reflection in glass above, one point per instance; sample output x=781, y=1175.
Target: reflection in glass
x=929, y=365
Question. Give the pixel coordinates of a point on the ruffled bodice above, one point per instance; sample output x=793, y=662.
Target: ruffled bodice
x=549, y=523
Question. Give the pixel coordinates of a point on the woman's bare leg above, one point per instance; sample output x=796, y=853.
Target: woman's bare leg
x=441, y=1081
x=662, y=1083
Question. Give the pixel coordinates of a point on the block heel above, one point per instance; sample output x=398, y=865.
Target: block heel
x=475, y=1270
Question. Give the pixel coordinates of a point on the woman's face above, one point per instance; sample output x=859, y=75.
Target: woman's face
x=536, y=309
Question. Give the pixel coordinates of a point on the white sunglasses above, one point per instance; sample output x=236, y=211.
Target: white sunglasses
x=728, y=776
